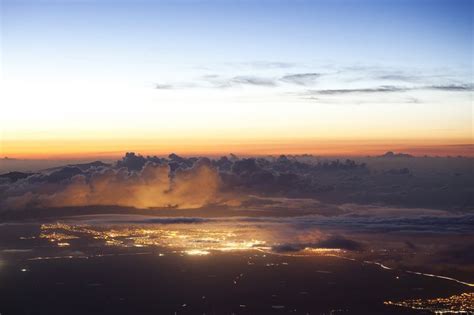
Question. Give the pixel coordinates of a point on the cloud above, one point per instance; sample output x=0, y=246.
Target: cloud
x=301, y=78
x=249, y=80
x=391, y=89
x=139, y=181
x=370, y=80
x=403, y=223
x=163, y=86
x=452, y=87
x=332, y=242
x=412, y=100
x=339, y=242
x=412, y=221
x=218, y=81
x=379, y=89
x=297, y=78
x=398, y=77
x=132, y=161
x=140, y=219
x=153, y=186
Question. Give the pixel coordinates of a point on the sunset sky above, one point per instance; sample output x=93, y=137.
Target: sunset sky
x=97, y=78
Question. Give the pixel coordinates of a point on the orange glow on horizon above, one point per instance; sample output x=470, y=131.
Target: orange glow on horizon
x=115, y=148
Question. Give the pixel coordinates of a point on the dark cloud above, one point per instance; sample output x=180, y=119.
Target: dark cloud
x=14, y=176
x=63, y=174
x=333, y=242
x=163, y=86
x=301, y=78
x=135, y=181
x=391, y=154
x=287, y=248
x=210, y=76
x=391, y=89
x=163, y=220
x=390, y=80
x=380, y=221
x=150, y=181
x=452, y=87
x=413, y=100
x=217, y=81
x=379, y=89
x=398, y=77
x=404, y=223
x=250, y=80
x=297, y=78
x=340, y=243
x=132, y=161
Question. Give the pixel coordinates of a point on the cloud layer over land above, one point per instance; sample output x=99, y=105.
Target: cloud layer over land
x=150, y=186
x=181, y=182
x=418, y=209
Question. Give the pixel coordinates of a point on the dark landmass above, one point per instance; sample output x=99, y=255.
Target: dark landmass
x=96, y=275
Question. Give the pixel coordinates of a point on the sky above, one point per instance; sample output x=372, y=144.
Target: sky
x=98, y=78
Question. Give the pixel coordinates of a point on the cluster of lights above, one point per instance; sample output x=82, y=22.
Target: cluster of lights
x=201, y=242
x=456, y=304
x=197, y=252
x=58, y=238
x=192, y=241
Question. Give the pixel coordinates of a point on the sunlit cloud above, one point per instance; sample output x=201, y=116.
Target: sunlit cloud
x=152, y=186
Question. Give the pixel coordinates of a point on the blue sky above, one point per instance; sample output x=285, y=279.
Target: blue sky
x=145, y=58
x=432, y=33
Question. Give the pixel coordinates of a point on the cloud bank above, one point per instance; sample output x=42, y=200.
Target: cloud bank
x=190, y=182
x=154, y=185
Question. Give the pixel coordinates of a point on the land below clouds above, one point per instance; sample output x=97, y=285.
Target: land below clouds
x=405, y=213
